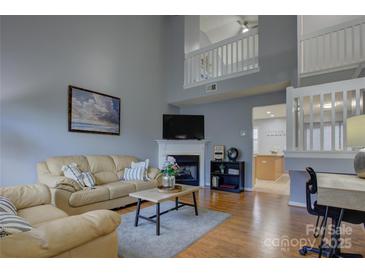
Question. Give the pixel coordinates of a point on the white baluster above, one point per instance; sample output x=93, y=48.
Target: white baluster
x=321, y=122
x=358, y=101
x=362, y=37
x=345, y=46
x=301, y=124
x=333, y=120
x=338, y=57
x=311, y=122
x=352, y=44
x=344, y=105
x=253, y=51
x=236, y=59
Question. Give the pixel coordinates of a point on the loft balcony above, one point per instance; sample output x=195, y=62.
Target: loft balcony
x=334, y=48
x=232, y=57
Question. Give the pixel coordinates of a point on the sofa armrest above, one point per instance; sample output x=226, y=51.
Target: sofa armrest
x=58, y=236
x=24, y=196
x=60, y=199
x=50, y=180
x=153, y=173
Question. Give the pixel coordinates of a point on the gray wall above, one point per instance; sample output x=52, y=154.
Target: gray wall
x=224, y=121
x=298, y=176
x=277, y=58
x=330, y=77
x=41, y=55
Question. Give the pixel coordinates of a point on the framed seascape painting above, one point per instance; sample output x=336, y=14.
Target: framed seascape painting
x=93, y=112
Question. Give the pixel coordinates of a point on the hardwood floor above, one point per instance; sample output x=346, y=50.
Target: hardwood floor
x=260, y=226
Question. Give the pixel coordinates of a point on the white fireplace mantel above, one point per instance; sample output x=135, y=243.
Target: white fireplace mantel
x=184, y=147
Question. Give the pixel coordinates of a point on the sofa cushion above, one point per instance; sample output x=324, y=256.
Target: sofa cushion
x=100, y=163
x=89, y=196
x=103, y=169
x=142, y=185
x=123, y=161
x=55, y=164
x=105, y=177
x=24, y=196
x=120, y=189
x=39, y=214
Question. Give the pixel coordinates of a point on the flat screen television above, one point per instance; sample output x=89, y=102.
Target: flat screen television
x=183, y=127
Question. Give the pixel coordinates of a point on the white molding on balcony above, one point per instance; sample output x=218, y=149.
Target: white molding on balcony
x=221, y=78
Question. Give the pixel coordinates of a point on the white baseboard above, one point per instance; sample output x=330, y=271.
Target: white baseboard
x=292, y=203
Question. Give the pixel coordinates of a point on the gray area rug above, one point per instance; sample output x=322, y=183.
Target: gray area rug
x=179, y=229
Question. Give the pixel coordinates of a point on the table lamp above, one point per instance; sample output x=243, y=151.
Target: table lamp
x=356, y=139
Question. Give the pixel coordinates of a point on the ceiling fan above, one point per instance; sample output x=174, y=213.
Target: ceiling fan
x=246, y=25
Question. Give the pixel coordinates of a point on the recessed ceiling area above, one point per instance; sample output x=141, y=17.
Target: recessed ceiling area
x=269, y=112
x=215, y=28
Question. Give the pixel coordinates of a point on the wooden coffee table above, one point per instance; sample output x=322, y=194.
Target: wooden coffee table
x=156, y=197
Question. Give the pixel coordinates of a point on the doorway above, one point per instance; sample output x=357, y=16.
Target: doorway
x=269, y=143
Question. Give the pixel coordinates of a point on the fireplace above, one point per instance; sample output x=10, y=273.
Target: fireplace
x=188, y=148
x=189, y=169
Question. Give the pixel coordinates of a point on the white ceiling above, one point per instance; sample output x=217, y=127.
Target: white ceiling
x=269, y=112
x=220, y=27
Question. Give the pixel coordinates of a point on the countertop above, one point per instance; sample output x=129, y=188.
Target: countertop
x=268, y=155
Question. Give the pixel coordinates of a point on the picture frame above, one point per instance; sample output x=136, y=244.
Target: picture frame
x=93, y=112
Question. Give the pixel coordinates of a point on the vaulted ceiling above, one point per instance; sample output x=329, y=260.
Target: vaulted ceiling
x=220, y=27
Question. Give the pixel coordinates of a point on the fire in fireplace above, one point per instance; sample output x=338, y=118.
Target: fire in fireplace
x=189, y=169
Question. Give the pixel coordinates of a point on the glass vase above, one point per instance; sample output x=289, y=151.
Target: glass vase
x=168, y=181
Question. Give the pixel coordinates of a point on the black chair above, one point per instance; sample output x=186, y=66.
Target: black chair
x=337, y=215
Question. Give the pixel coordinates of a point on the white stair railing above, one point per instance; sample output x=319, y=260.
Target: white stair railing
x=229, y=58
x=334, y=48
x=316, y=116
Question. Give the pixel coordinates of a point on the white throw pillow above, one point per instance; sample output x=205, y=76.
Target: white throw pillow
x=134, y=174
x=88, y=179
x=143, y=164
x=7, y=206
x=71, y=171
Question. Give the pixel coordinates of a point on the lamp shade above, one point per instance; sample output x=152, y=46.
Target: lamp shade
x=356, y=131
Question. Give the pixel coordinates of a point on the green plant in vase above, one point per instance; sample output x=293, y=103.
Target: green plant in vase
x=169, y=170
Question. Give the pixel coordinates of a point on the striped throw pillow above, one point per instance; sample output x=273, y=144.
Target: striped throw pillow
x=134, y=174
x=7, y=206
x=11, y=224
x=71, y=171
x=144, y=164
x=88, y=179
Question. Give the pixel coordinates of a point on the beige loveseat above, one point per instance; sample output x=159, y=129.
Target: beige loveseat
x=54, y=233
x=110, y=191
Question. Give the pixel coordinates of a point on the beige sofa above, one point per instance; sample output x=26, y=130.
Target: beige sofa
x=110, y=191
x=54, y=233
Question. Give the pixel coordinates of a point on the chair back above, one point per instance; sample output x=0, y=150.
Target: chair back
x=310, y=189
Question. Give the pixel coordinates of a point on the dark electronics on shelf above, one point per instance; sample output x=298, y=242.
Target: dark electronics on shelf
x=218, y=153
x=232, y=154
